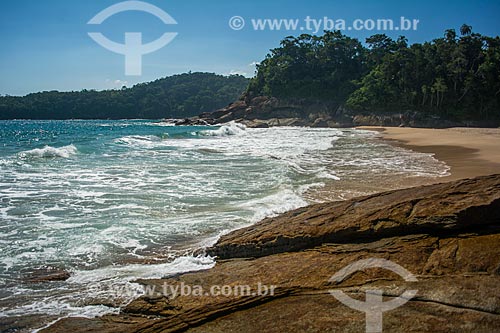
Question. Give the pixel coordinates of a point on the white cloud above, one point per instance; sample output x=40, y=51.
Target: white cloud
x=121, y=83
x=237, y=72
x=115, y=84
x=253, y=63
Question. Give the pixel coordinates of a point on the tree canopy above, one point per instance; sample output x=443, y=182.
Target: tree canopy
x=453, y=76
x=176, y=96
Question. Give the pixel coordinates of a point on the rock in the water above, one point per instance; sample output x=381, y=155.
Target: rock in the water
x=47, y=274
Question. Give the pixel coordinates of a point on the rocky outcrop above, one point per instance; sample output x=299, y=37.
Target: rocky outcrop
x=447, y=235
x=437, y=209
x=263, y=111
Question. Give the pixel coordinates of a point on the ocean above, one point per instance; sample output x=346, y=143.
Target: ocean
x=114, y=201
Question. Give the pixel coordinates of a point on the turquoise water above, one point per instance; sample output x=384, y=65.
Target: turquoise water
x=113, y=201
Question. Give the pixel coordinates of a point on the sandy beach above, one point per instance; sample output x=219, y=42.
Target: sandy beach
x=469, y=152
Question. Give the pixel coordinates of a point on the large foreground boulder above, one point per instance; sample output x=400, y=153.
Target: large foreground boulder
x=440, y=209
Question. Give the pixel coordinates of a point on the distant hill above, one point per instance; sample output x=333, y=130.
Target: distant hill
x=176, y=96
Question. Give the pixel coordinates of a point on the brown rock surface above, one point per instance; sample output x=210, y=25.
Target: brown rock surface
x=435, y=209
x=47, y=274
x=318, y=113
x=447, y=235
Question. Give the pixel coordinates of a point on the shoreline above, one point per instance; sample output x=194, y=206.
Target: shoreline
x=456, y=270
x=463, y=158
x=469, y=152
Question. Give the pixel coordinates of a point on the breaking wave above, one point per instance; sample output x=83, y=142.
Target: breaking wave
x=50, y=152
x=231, y=128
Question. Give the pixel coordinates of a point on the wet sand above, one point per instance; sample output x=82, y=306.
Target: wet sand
x=469, y=152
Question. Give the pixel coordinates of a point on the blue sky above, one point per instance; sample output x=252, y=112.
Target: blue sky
x=45, y=45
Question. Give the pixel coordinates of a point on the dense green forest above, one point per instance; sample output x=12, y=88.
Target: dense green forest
x=176, y=96
x=456, y=76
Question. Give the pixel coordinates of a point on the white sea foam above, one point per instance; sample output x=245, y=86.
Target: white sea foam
x=231, y=128
x=7, y=263
x=142, y=141
x=50, y=152
x=136, y=195
x=125, y=273
x=56, y=307
x=86, y=250
x=161, y=124
x=327, y=175
x=278, y=143
x=274, y=204
x=107, y=283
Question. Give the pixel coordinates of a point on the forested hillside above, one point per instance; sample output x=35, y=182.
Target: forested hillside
x=456, y=76
x=453, y=77
x=176, y=96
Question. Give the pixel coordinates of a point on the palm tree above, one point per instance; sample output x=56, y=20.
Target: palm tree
x=450, y=35
x=465, y=30
x=439, y=88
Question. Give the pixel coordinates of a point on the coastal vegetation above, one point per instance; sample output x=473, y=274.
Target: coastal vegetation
x=171, y=97
x=456, y=76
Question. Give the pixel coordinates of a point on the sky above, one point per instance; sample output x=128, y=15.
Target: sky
x=45, y=43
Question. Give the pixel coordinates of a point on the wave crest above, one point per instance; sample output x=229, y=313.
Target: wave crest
x=143, y=141
x=231, y=128
x=50, y=152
